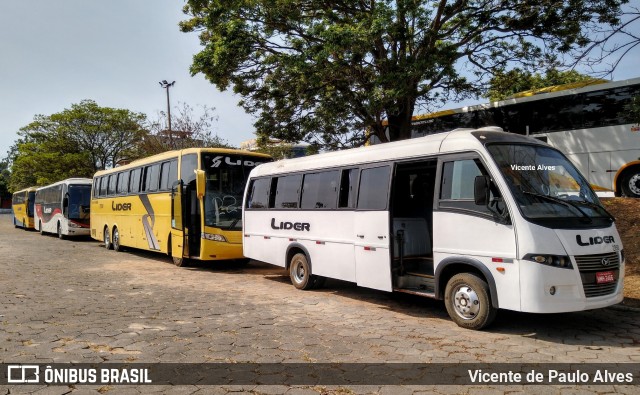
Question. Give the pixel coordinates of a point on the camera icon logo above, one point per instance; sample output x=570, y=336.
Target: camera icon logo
x=23, y=374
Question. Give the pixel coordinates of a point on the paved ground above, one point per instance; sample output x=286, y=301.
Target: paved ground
x=65, y=301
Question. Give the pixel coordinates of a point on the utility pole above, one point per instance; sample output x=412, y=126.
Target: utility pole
x=166, y=85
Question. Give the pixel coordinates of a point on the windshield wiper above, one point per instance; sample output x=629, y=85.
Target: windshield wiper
x=565, y=202
x=596, y=206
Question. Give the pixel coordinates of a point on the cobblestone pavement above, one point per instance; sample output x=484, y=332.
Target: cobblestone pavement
x=74, y=301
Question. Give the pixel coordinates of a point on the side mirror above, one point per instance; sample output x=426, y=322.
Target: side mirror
x=481, y=190
x=200, y=183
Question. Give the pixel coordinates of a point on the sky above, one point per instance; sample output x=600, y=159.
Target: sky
x=57, y=53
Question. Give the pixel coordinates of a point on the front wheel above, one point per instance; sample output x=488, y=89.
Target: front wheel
x=630, y=184
x=40, y=228
x=107, y=239
x=300, y=272
x=468, y=301
x=180, y=262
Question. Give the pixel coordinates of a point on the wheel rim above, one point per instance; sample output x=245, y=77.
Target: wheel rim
x=299, y=271
x=634, y=184
x=466, y=302
x=107, y=242
x=116, y=238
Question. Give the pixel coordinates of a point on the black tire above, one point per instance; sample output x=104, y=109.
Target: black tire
x=300, y=272
x=319, y=282
x=40, y=228
x=468, y=301
x=59, y=232
x=15, y=224
x=180, y=262
x=106, y=241
x=630, y=183
x=24, y=224
x=115, y=239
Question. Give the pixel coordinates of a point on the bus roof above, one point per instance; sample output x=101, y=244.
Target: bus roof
x=448, y=142
x=28, y=189
x=68, y=181
x=174, y=154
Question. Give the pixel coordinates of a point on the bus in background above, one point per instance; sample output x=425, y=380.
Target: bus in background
x=186, y=204
x=22, y=207
x=597, y=126
x=438, y=216
x=63, y=208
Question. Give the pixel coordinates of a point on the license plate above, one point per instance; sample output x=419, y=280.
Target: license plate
x=604, y=277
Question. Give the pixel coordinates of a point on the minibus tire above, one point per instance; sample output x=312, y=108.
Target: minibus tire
x=106, y=238
x=59, y=231
x=300, y=272
x=474, y=309
x=116, y=239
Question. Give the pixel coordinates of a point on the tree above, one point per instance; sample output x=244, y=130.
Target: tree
x=76, y=142
x=505, y=84
x=327, y=71
x=5, y=175
x=188, y=130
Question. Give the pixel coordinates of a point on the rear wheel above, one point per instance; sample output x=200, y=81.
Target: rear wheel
x=116, y=240
x=59, y=231
x=300, y=272
x=630, y=184
x=468, y=301
x=40, y=227
x=107, y=238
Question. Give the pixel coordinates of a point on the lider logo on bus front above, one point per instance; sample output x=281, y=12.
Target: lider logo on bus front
x=237, y=162
x=299, y=226
x=595, y=240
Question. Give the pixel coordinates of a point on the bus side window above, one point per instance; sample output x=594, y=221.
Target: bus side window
x=347, y=196
x=152, y=177
x=189, y=164
x=134, y=181
x=103, y=186
x=374, y=188
x=164, y=176
x=123, y=182
x=111, y=189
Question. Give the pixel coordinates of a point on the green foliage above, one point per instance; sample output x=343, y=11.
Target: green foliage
x=327, y=71
x=74, y=143
x=505, y=84
x=5, y=177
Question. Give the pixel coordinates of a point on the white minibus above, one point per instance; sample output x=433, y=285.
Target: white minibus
x=483, y=219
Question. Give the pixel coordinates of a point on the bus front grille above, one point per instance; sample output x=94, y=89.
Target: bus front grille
x=589, y=265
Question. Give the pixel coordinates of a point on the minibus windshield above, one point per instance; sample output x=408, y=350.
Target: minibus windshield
x=226, y=176
x=546, y=185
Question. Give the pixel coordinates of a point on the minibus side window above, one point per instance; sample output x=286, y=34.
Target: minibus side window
x=288, y=191
x=456, y=190
x=259, y=193
x=373, y=193
x=347, y=198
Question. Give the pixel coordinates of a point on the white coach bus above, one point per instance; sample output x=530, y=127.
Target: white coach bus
x=483, y=219
x=63, y=208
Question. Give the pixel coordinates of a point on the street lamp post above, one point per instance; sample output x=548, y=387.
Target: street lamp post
x=166, y=85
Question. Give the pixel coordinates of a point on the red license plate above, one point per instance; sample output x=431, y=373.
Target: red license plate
x=604, y=277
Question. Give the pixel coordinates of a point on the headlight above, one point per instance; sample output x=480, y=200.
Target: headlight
x=213, y=237
x=562, y=262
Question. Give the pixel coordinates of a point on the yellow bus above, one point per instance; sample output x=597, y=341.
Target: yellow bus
x=186, y=203
x=22, y=207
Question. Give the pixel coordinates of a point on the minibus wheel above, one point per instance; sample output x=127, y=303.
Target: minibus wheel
x=300, y=272
x=116, y=239
x=107, y=238
x=468, y=301
x=59, y=230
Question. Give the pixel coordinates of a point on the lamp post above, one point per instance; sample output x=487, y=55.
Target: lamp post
x=166, y=85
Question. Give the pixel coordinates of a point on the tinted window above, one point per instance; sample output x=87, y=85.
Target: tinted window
x=168, y=174
x=373, y=193
x=259, y=193
x=112, y=185
x=123, y=182
x=103, y=186
x=152, y=177
x=348, y=188
x=320, y=190
x=134, y=180
x=287, y=191
x=189, y=164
